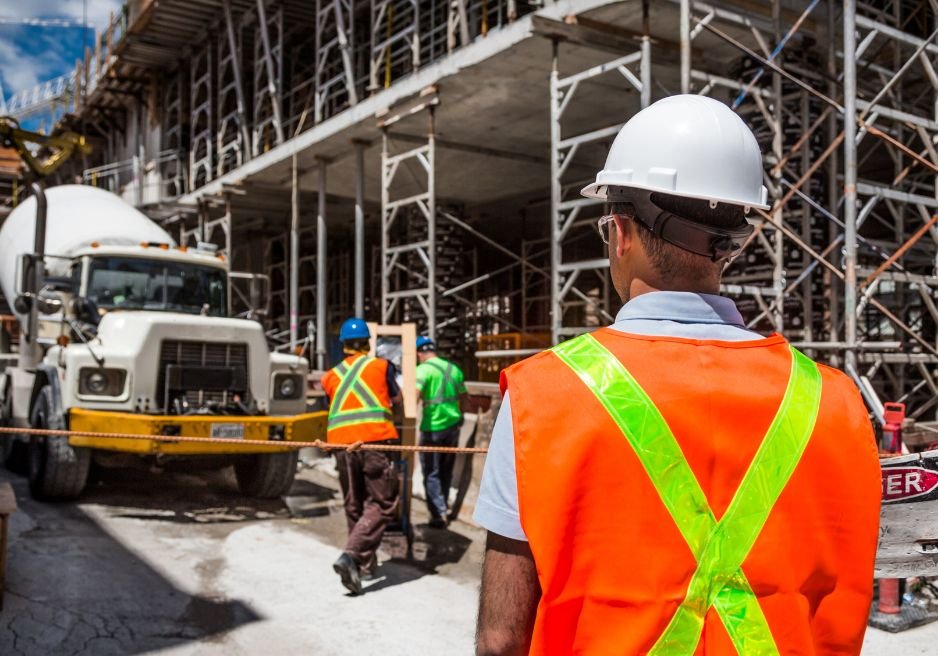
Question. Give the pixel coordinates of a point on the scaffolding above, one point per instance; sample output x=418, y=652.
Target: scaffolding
x=841, y=95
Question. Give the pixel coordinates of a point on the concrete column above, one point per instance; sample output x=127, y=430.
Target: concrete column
x=294, y=290
x=359, y=229
x=321, y=235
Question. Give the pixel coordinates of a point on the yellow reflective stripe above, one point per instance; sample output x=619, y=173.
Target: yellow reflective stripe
x=360, y=416
x=646, y=431
x=365, y=394
x=650, y=437
x=447, y=392
x=737, y=531
x=346, y=381
x=350, y=382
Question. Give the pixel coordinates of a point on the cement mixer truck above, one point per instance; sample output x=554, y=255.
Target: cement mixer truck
x=123, y=331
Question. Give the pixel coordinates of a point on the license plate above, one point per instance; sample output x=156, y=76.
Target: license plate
x=228, y=431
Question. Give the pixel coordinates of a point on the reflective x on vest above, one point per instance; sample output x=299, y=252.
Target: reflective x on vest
x=720, y=547
x=447, y=386
x=350, y=382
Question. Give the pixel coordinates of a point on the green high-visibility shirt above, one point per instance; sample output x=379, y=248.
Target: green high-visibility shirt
x=440, y=383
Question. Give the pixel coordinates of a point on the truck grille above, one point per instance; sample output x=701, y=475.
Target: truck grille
x=204, y=372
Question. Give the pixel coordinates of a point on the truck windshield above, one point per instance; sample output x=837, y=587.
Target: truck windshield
x=129, y=283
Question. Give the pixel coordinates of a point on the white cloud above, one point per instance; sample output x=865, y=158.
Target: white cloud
x=19, y=71
x=98, y=10
x=23, y=67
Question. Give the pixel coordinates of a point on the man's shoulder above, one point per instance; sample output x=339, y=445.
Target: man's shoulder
x=838, y=384
x=534, y=365
x=425, y=367
x=449, y=363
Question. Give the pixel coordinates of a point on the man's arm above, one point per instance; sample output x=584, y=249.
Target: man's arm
x=394, y=392
x=508, y=600
x=461, y=391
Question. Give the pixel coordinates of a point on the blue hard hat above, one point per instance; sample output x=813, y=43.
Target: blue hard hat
x=423, y=341
x=354, y=328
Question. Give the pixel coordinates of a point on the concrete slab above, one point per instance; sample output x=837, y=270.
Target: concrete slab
x=178, y=563
x=914, y=642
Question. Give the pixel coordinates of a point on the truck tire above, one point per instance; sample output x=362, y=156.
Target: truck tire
x=266, y=475
x=57, y=470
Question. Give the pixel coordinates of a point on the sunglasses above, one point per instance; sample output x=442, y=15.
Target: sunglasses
x=602, y=226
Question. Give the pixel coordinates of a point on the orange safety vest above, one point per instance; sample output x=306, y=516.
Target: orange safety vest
x=359, y=403
x=629, y=454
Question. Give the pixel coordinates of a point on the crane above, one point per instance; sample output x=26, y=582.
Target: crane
x=62, y=145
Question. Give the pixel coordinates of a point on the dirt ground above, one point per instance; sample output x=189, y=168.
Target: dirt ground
x=179, y=563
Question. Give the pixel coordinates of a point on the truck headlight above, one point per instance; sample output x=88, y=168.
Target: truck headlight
x=95, y=381
x=288, y=387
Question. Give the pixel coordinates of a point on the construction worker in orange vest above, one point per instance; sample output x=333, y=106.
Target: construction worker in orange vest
x=361, y=391
x=677, y=484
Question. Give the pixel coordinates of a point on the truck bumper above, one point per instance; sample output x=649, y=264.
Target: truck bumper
x=274, y=429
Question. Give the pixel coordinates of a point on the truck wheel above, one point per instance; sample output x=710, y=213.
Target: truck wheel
x=266, y=475
x=57, y=470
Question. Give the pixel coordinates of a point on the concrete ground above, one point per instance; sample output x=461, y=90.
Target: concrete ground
x=178, y=563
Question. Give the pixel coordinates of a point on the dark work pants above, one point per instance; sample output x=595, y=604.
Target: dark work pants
x=438, y=469
x=369, y=490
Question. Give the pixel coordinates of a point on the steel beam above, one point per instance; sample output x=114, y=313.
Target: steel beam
x=850, y=181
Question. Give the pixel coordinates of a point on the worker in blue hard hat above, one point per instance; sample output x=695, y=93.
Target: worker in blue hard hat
x=361, y=391
x=443, y=393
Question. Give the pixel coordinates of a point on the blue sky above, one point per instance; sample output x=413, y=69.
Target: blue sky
x=30, y=55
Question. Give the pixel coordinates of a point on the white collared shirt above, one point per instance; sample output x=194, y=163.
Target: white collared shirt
x=663, y=314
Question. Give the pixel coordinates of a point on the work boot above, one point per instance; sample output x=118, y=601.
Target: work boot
x=347, y=569
x=437, y=522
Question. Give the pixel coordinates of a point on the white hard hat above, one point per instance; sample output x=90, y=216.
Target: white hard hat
x=686, y=145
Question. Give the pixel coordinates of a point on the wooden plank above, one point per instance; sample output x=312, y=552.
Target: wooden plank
x=908, y=532
x=398, y=543
x=7, y=506
x=7, y=499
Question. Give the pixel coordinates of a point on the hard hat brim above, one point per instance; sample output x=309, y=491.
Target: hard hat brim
x=599, y=191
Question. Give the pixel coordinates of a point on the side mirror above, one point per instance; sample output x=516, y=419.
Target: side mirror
x=45, y=303
x=23, y=303
x=49, y=304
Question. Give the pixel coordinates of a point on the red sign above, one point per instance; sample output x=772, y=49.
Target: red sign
x=904, y=483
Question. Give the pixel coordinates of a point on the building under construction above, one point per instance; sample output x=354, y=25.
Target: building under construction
x=420, y=160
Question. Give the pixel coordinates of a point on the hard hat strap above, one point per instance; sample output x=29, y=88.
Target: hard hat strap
x=698, y=238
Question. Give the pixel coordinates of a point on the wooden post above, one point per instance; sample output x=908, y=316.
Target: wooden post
x=7, y=507
x=400, y=545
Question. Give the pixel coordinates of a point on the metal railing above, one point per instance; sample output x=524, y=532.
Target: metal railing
x=143, y=183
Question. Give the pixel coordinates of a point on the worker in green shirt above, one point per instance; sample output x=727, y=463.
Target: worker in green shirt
x=443, y=392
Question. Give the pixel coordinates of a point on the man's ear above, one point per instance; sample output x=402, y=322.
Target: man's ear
x=624, y=234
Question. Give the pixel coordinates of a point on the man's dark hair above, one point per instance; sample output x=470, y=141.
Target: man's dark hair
x=357, y=344
x=673, y=262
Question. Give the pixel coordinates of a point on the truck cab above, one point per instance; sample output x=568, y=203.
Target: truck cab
x=138, y=339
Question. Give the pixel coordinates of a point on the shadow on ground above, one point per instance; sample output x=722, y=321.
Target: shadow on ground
x=74, y=588
x=204, y=496
x=431, y=549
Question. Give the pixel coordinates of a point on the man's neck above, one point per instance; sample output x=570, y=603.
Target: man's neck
x=639, y=287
